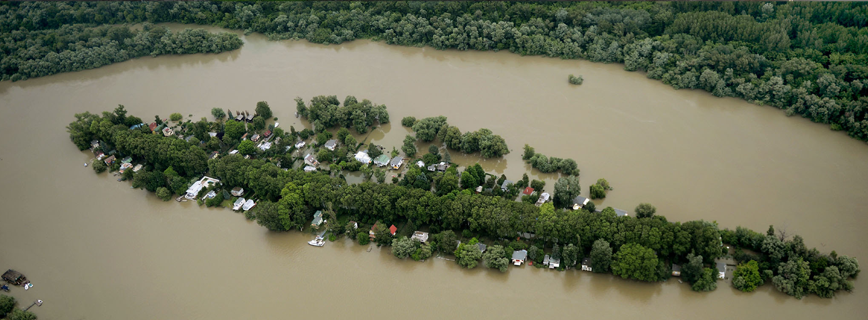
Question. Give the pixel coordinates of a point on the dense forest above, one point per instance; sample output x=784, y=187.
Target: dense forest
x=640, y=248
x=808, y=58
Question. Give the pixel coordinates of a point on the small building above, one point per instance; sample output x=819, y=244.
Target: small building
x=478, y=189
x=420, y=164
x=676, y=270
x=94, y=144
x=127, y=160
x=331, y=144
x=546, y=260
x=248, y=204
x=237, y=191
x=125, y=166
x=309, y=169
x=212, y=134
x=482, y=247
x=15, y=277
x=210, y=195
x=244, y=137
x=579, y=202
x=620, y=213
x=197, y=186
x=239, y=117
x=362, y=156
x=255, y=137
x=214, y=155
x=393, y=229
x=249, y=117
x=233, y=152
x=397, y=162
x=267, y=134
x=527, y=191
x=420, y=236
x=442, y=166
x=137, y=168
x=110, y=160
x=382, y=160
x=238, y=204
x=554, y=263
x=518, y=257
x=152, y=126
x=168, y=132
x=310, y=160
x=721, y=270
x=265, y=146
x=317, y=219
x=299, y=145
x=505, y=185
x=586, y=265
x=543, y=198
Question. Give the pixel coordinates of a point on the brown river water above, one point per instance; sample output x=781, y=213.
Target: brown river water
x=97, y=249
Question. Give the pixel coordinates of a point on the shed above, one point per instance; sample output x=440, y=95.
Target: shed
x=676, y=270
x=309, y=169
x=420, y=236
x=197, y=186
x=299, y=145
x=420, y=164
x=721, y=270
x=543, y=198
x=554, y=263
x=237, y=191
x=317, y=219
x=546, y=260
x=248, y=204
x=527, y=191
x=362, y=156
x=482, y=247
x=310, y=160
x=15, y=277
x=518, y=257
x=393, y=229
x=579, y=202
x=255, y=137
x=331, y=144
x=110, y=160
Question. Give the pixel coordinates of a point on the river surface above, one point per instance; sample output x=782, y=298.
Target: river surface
x=97, y=249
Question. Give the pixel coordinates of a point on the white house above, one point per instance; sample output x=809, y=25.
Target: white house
x=299, y=145
x=331, y=144
x=420, y=236
x=197, y=186
x=586, y=265
x=518, y=257
x=249, y=204
x=309, y=169
x=238, y=204
x=362, y=156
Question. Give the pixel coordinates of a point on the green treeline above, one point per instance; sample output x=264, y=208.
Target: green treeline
x=326, y=112
x=548, y=165
x=38, y=53
x=639, y=248
x=808, y=58
x=484, y=141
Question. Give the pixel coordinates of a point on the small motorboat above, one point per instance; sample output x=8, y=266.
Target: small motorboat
x=318, y=242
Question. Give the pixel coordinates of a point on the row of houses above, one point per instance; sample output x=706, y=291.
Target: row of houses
x=242, y=116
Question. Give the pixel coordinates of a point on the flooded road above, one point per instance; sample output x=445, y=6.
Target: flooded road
x=97, y=249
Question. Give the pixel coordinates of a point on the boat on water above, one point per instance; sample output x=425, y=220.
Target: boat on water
x=318, y=242
x=15, y=278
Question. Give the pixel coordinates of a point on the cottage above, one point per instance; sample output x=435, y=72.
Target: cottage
x=441, y=167
x=99, y=155
x=317, y=219
x=168, y=131
x=299, y=145
x=676, y=270
x=518, y=257
x=620, y=213
x=265, y=146
x=393, y=229
x=420, y=164
x=554, y=263
x=586, y=265
x=482, y=247
x=331, y=144
x=362, y=156
x=239, y=117
x=543, y=198
x=267, y=134
x=420, y=236
x=127, y=160
x=397, y=162
x=505, y=185
x=197, y=186
x=309, y=169
x=255, y=137
x=94, y=144
x=721, y=270
x=238, y=204
x=372, y=233
x=248, y=204
x=579, y=202
x=237, y=191
x=249, y=117
x=212, y=134
x=211, y=194
x=546, y=260
x=382, y=160
x=310, y=160
x=214, y=155
x=125, y=166
x=527, y=191
x=478, y=189
x=110, y=160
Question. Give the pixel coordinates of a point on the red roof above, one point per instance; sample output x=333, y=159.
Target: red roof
x=393, y=229
x=152, y=126
x=528, y=190
x=267, y=133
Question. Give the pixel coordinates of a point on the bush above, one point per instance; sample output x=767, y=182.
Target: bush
x=363, y=238
x=163, y=193
x=518, y=245
x=175, y=117
x=218, y=113
x=332, y=237
x=408, y=121
x=466, y=233
x=99, y=166
x=7, y=303
x=576, y=80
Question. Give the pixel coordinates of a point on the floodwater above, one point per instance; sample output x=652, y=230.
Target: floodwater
x=97, y=249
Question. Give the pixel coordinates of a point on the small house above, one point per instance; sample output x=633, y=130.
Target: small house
x=267, y=134
x=126, y=166
x=299, y=145
x=554, y=263
x=620, y=213
x=110, y=160
x=721, y=270
x=397, y=162
x=244, y=137
x=310, y=160
x=382, y=160
x=248, y=204
x=309, y=169
x=355, y=224
x=331, y=144
x=15, y=277
x=317, y=219
x=372, y=233
x=393, y=229
x=237, y=191
x=214, y=155
x=255, y=137
x=478, y=189
x=239, y=117
x=505, y=185
x=152, y=126
x=212, y=134
x=233, y=152
x=518, y=257
x=265, y=146
x=197, y=186
x=137, y=168
x=238, y=204
x=527, y=191
x=420, y=236
x=586, y=265
x=249, y=117
x=94, y=144
x=127, y=160
x=362, y=156
x=482, y=247
x=442, y=166
x=546, y=260
x=168, y=132
x=210, y=195
x=420, y=164
x=543, y=198
x=579, y=202
x=676, y=270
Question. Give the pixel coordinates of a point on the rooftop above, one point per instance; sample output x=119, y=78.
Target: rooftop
x=519, y=255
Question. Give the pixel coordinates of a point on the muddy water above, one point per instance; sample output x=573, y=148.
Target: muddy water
x=96, y=249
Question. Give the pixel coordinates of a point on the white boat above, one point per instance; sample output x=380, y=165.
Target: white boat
x=316, y=242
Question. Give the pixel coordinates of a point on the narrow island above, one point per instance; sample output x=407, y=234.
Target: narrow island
x=297, y=180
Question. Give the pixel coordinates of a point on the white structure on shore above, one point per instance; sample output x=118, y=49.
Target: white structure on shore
x=197, y=186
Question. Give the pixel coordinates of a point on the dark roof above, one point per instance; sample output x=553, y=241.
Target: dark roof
x=676, y=267
x=397, y=160
x=586, y=261
x=721, y=267
x=579, y=200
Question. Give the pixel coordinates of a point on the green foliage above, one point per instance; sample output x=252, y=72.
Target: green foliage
x=7, y=303
x=218, y=113
x=175, y=117
x=403, y=247
x=576, y=80
x=571, y=256
x=548, y=165
x=382, y=235
x=601, y=256
x=792, y=278
x=597, y=192
x=692, y=270
x=269, y=215
x=258, y=123
x=747, y=277
x=633, y=261
x=234, y=129
x=645, y=210
x=467, y=255
x=707, y=281
x=247, y=147
x=408, y=121
x=448, y=241
x=99, y=166
x=327, y=112
x=19, y=314
x=495, y=258
x=409, y=147
x=164, y=193
x=427, y=128
x=566, y=189
x=528, y=153
x=263, y=110
x=423, y=252
x=363, y=238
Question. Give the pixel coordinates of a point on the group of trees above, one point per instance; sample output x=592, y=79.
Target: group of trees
x=488, y=144
x=548, y=165
x=35, y=52
x=326, y=112
x=8, y=310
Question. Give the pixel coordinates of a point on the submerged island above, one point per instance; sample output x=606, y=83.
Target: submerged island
x=293, y=179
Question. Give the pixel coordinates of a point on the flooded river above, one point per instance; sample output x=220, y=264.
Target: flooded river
x=97, y=249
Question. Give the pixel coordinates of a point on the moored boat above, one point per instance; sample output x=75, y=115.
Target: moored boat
x=318, y=242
